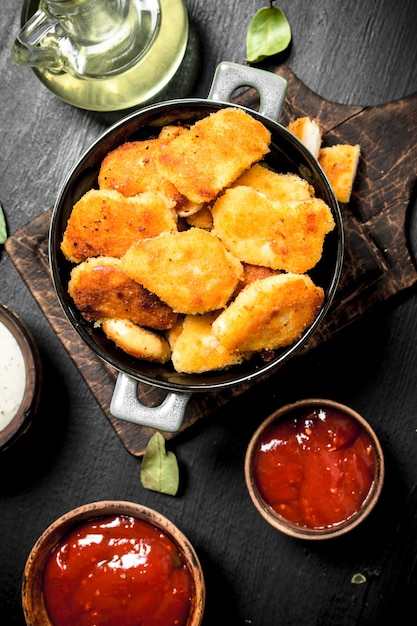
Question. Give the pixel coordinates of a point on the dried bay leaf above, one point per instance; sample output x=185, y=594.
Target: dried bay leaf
x=269, y=33
x=3, y=228
x=159, y=470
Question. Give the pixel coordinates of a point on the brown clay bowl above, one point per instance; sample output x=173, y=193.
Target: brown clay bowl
x=19, y=422
x=33, y=597
x=301, y=500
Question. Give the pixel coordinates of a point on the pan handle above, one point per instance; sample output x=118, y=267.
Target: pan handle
x=126, y=405
x=271, y=88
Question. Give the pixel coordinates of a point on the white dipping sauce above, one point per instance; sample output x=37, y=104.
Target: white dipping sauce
x=12, y=376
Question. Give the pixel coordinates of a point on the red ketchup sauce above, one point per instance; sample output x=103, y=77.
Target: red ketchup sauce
x=316, y=468
x=117, y=571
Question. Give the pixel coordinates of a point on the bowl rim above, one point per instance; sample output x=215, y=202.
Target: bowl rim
x=281, y=523
x=31, y=589
x=21, y=421
x=115, y=135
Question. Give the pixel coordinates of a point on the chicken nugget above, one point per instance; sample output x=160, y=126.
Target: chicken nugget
x=340, y=164
x=194, y=348
x=213, y=153
x=190, y=270
x=308, y=132
x=140, y=343
x=201, y=219
x=100, y=288
x=282, y=235
x=275, y=186
x=106, y=223
x=170, y=132
x=269, y=313
x=131, y=169
x=252, y=273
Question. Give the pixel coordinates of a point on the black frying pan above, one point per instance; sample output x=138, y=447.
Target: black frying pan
x=287, y=155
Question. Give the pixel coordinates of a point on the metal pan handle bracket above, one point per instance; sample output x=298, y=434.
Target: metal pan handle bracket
x=271, y=88
x=126, y=405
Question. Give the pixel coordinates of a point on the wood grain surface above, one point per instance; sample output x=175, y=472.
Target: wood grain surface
x=377, y=262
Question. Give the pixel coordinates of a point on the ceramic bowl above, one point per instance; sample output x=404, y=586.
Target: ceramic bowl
x=314, y=469
x=20, y=376
x=33, y=596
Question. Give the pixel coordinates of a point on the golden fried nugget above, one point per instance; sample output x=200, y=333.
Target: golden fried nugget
x=131, y=169
x=213, y=153
x=194, y=348
x=100, y=288
x=269, y=313
x=136, y=341
x=170, y=132
x=254, y=272
x=106, y=223
x=174, y=332
x=275, y=186
x=191, y=270
x=340, y=164
x=282, y=235
x=308, y=132
x=201, y=219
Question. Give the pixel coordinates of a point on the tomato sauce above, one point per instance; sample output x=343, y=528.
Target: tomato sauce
x=315, y=469
x=117, y=571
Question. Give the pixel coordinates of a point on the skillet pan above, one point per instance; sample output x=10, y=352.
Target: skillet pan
x=287, y=155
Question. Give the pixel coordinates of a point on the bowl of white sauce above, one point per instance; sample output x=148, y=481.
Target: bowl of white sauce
x=20, y=377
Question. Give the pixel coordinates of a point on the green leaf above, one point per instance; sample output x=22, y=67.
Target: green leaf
x=269, y=33
x=159, y=469
x=3, y=228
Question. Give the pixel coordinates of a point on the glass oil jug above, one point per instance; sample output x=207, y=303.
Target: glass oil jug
x=104, y=55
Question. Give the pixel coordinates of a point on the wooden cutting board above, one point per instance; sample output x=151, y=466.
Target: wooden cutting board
x=378, y=262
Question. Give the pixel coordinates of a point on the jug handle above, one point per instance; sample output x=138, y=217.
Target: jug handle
x=169, y=415
x=26, y=49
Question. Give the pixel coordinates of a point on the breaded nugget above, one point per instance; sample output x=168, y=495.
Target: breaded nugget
x=106, y=223
x=308, y=132
x=191, y=270
x=269, y=313
x=282, y=235
x=275, y=186
x=174, y=332
x=252, y=273
x=195, y=349
x=100, y=288
x=213, y=153
x=131, y=169
x=170, y=132
x=340, y=164
x=136, y=341
x=201, y=219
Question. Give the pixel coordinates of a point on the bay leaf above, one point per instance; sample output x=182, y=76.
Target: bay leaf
x=159, y=469
x=269, y=33
x=3, y=228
